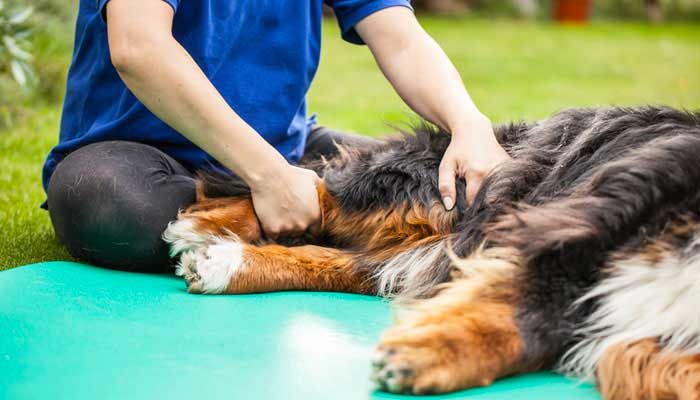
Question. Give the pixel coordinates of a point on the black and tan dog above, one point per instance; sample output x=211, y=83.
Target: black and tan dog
x=582, y=253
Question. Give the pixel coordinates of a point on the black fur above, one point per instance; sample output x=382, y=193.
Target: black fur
x=601, y=179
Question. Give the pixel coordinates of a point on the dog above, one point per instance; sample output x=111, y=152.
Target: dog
x=581, y=254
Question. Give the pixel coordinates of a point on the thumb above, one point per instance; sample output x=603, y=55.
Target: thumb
x=446, y=185
x=313, y=175
x=317, y=179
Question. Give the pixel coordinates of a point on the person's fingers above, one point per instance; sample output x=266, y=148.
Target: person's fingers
x=291, y=210
x=292, y=233
x=272, y=231
x=296, y=228
x=446, y=184
x=474, y=180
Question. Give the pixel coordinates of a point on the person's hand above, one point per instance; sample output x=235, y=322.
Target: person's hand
x=471, y=155
x=287, y=204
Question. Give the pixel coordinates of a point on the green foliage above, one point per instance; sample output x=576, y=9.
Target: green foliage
x=15, y=58
x=17, y=76
x=674, y=10
x=53, y=42
x=521, y=69
x=34, y=60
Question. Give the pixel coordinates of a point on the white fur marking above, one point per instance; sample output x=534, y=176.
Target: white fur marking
x=409, y=273
x=186, y=263
x=215, y=265
x=640, y=300
x=182, y=237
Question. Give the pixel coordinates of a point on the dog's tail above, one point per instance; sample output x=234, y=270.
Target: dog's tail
x=414, y=273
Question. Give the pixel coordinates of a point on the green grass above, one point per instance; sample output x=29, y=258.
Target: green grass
x=521, y=70
x=25, y=229
x=514, y=70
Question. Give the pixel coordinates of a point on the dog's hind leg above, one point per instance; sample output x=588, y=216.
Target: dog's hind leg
x=641, y=370
x=465, y=336
x=377, y=230
x=566, y=243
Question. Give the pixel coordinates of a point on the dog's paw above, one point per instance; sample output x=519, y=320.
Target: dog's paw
x=390, y=375
x=210, y=268
x=412, y=368
x=183, y=236
x=439, y=356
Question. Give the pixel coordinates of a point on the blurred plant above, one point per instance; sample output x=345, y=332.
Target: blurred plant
x=15, y=58
x=653, y=10
x=48, y=31
x=52, y=44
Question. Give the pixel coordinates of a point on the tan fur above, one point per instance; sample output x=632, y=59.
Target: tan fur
x=463, y=337
x=273, y=268
x=677, y=232
x=643, y=371
x=385, y=228
x=369, y=230
x=378, y=235
x=225, y=216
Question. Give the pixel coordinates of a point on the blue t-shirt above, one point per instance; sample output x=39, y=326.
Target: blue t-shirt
x=261, y=56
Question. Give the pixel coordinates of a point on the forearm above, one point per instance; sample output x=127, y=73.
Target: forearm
x=162, y=75
x=428, y=82
x=420, y=71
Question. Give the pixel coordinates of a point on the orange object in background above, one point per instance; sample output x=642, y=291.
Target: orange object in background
x=571, y=10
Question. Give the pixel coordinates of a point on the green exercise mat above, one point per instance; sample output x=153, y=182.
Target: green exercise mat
x=71, y=331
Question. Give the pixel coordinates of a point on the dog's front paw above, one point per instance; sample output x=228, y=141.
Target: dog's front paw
x=209, y=269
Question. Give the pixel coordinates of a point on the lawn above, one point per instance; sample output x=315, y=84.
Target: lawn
x=514, y=70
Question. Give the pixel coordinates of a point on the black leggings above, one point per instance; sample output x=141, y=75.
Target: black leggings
x=111, y=201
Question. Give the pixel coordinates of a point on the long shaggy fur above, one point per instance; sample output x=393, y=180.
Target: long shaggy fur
x=600, y=205
x=641, y=299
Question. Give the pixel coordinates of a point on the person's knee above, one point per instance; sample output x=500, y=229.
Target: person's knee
x=108, y=213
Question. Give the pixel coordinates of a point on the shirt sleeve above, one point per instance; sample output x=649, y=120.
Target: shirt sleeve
x=101, y=4
x=350, y=12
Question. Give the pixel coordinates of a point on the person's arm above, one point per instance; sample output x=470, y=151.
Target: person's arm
x=163, y=76
x=427, y=81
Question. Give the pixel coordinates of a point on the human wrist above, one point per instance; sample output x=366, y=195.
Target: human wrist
x=472, y=126
x=260, y=176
